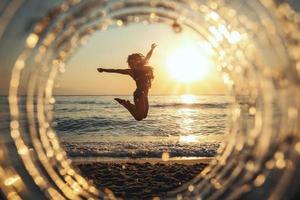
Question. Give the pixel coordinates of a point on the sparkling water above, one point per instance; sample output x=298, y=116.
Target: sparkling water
x=184, y=126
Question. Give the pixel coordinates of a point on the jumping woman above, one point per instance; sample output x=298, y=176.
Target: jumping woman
x=142, y=75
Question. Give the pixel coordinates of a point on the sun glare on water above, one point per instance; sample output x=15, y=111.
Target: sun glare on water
x=189, y=63
x=188, y=138
x=188, y=99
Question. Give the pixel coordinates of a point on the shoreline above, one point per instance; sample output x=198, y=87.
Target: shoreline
x=172, y=160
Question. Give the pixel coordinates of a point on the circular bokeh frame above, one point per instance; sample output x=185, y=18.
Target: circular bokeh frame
x=256, y=48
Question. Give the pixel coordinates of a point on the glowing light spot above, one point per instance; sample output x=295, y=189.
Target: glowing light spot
x=252, y=111
x=38, y=180
x=226, y=79
x=212, y=15
x=52, y=100
x=280, y=164
x=152, y=15
x=20, y=64
x=223, y=30
x=188, y=63
x=165, y=156
x=23, y=150
x=50, y=153
x=14, y=124
x=191, y=188
x=119, y=22
x=260, y=179
x=92, y=189
x=11, y=180
x=31, y=40
x=270, y=164
x=59, y=156
x=216, y=33
x=235, y=37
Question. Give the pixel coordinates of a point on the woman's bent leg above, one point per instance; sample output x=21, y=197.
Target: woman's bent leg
x=139, y=110
x=134, y=109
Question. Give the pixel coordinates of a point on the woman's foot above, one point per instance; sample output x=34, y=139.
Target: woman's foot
x=122, y=101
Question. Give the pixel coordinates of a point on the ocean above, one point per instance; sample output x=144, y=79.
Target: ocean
x=183, y=126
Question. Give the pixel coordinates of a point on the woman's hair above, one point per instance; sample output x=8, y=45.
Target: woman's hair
x=150, y=75
x=147, y=69
x=134, y=56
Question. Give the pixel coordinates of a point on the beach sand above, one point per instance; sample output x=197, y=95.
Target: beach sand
x=141, y=179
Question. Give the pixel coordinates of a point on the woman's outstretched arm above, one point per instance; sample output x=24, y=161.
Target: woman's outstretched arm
x=149, y=54
x=118, y=71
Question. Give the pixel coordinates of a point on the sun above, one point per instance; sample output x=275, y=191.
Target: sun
x=189, y=63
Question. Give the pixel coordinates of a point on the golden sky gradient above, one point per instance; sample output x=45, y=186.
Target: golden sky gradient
x=171, y=58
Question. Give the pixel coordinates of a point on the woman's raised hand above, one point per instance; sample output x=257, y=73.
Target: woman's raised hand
x=100, y=69
x=153, y=46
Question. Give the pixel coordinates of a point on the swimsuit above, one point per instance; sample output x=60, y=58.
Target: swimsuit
x=143, y=82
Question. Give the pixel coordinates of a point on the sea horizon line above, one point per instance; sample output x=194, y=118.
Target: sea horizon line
x=4, y=95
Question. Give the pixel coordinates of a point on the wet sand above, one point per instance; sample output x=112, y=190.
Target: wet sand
x=140, y=180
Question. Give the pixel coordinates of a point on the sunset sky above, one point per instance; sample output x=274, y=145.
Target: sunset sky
x=177, y=59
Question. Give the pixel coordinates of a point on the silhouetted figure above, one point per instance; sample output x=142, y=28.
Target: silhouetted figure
x=143, y=76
